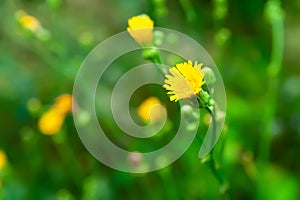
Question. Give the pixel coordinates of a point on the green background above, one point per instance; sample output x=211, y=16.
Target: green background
x=255, y=45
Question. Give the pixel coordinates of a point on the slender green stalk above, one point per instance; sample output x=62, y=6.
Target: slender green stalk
x=222, y=34
x=69, y=159
x=214, y=167
x=275, y=16
x=188, y=9
x=224, y=185
x=154, y=56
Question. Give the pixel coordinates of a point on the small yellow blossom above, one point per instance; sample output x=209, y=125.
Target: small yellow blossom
x=30, y=23
x=3, y=159
x=185, y=80
x=63, y=104
x=150, y=106
x=50, y=122
x=27, y=21
x=141, y=28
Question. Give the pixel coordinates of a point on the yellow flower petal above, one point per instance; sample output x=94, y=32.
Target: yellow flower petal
x=3, y=159
x=150, y=105
x=185, y=80
x=27, y=21
x=141, y=28
x=63, y=104
x=50, y=122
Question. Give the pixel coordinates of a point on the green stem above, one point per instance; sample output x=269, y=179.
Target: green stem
x=188, y=9
x=224, y=184
x=158, y=62
x=211, y=111
x=69, y=159
x=216, y=171
x=275, y=16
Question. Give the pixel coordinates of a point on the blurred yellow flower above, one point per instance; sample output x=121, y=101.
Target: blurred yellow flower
x=27, y=21
x=50, y=122
x=63, y=104
x=141, y=28
x=31, y=24
x=150, y=106
x=185, y=80
x=3, y=159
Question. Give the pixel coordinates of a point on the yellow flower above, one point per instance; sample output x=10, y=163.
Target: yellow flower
x=150, y=106
x=30, y=23
x=185, y=80
x=63, y=104
x=141, y=28
x=3, y=159
x=51, y=122
x=27, y=21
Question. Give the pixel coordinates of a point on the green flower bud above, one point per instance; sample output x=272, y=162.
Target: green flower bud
x=150, y=53
x=205, y=99
x=209, y=75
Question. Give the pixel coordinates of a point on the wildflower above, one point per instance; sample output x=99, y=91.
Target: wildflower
x=148, y=106
x=32, y=25
x=63, y=104
x=3, y=159
x=185, y=80
x=27, y=21
x=141, y=28
x=51, y=122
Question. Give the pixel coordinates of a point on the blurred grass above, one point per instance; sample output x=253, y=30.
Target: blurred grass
x=236, y=34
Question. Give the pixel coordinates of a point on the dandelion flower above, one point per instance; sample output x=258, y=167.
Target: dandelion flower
x=50, y=122
x=150, y=106
x=185, y=80
x=141, y=28
x=3, y=159
x=63, y=103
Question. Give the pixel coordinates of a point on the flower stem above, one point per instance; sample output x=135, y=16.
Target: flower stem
x=153, y=54
x=158, y=62
x=214, y=167
x=274, y=13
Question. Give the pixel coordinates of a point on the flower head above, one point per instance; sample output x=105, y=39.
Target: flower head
x=30, y=25
x=50, y=122
x=3, y=159
x=185, y=80
x=150, y=106
x=141, y=28
x=63, y=103
x=27, y=21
